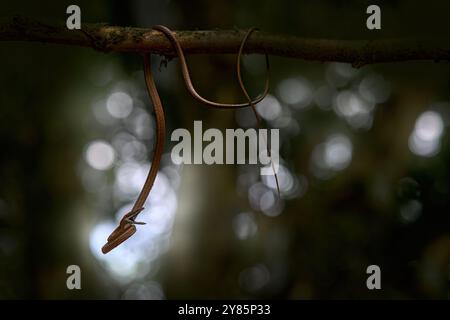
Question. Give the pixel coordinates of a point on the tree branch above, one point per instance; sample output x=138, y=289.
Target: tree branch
x=125, y=39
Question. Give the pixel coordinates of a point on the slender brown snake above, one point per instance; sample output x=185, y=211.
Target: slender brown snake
x=127, y=224
x=187, y=78
x=244, y=91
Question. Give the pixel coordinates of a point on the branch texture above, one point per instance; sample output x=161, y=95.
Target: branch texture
x=125, y=39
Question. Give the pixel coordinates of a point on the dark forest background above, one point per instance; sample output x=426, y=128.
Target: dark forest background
x=365, y=177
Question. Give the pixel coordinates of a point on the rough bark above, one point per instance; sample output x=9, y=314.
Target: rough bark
x=126, y=39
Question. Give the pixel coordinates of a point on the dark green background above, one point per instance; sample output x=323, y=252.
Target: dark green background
x=322, y=242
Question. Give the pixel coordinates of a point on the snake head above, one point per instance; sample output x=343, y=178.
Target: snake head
x=124, y=231
x=118, y=236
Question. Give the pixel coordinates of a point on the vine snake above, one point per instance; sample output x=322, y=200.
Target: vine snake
x=127, y=224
